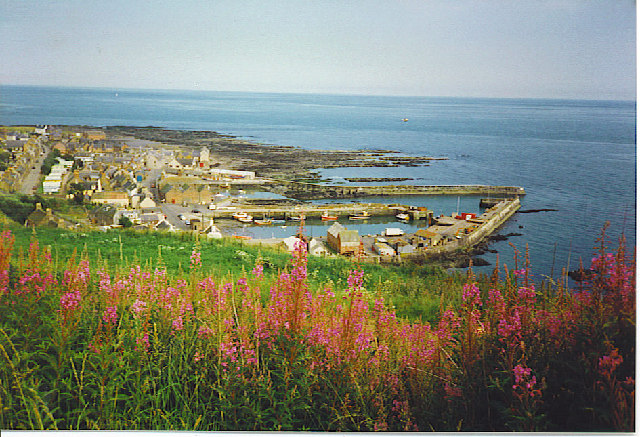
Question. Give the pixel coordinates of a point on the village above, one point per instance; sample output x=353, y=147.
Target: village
x=126, y=182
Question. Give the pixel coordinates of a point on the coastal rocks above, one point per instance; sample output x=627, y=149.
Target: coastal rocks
x=529, y=211
x=378, y=179
x=269, y=160
x=500, y=237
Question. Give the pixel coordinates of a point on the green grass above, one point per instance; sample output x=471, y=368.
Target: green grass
x=416, y=291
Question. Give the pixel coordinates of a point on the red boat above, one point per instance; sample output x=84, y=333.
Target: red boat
x=326, y=216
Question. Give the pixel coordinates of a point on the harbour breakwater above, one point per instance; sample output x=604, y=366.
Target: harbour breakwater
x=284, y=210
x=308, y=191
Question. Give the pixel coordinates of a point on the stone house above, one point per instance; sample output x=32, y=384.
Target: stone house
x=192, y=193
x=42, y=218
x=103, y=215
x=425, y=237
x=343, y=241
x=117, y=198
x=95, y=135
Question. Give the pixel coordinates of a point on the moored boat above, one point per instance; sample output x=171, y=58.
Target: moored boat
x=326, y=216
x=242, y=237
x=263, y=222
x=360, y=216
x=243, y=217
x=403, y=216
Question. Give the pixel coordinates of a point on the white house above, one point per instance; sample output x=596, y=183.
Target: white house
x=318, y=247
x=383, y=249
x=292, y=242
x=147, y=202
x=212, y=231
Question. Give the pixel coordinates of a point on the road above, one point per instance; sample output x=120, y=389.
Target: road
x=172, y=211
x=31, y=181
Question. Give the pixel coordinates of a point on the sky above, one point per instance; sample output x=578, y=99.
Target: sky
x=584, y=49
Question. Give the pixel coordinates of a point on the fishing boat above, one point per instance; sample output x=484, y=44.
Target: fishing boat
x=361, y=216
x=263, y=222
x=243, y=217
x=297, y=218
x=403, y=217
x=326, y=216
x=242, y=237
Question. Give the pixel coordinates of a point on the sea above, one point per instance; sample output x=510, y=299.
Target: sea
x=576, y=158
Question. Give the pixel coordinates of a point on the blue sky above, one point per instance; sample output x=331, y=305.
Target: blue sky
x=475, y=48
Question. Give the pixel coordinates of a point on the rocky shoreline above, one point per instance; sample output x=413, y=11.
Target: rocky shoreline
x=292, y=163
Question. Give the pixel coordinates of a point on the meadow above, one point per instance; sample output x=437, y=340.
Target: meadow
x=126, y=330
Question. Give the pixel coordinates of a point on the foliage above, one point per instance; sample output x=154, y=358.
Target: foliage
x=86, y=347
x=49, y=162
x=125, y=222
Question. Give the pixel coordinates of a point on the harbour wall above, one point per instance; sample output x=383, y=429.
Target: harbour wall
x=500, y=214
x=307, y=191
x=285, y=212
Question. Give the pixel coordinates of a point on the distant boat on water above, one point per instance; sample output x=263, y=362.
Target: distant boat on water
x=263, y=222
x=361, y=216
x=326, y=216
x=405, y=119
x=243, y=217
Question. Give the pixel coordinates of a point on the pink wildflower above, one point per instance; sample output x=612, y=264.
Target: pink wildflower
x=110, y=315
x=257, y=271
x=143, y=342
x=177, y=324
x=609, y=363
x=139, y=306
x=195, y=258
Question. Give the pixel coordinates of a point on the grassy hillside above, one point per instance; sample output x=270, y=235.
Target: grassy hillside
x=234, y=338
x=416, y=291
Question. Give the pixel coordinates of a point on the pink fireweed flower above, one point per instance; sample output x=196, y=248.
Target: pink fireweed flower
x=204, y=332
x=519, y=273
x=380, y=426
x=139, y=307
x=177, y=324
x=257, y=271
x=69, y=302
x=523, y=375
x=452, y=391
x=471, y=295
x=142, y=343
x=110, y=315
x=355, y=279
x=195, y=258
x=609, y=363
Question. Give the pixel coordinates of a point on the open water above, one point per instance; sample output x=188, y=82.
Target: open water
x=578, y=157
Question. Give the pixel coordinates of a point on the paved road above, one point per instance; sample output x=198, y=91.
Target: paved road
x=172, y=211
x=31, y=181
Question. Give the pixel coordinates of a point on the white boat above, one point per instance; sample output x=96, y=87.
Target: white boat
x=403, y=216
x=243, y=217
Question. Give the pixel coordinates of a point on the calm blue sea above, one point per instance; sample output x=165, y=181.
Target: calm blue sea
x=578, y=157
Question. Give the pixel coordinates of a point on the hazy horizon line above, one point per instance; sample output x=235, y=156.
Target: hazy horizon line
x=319, y=93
